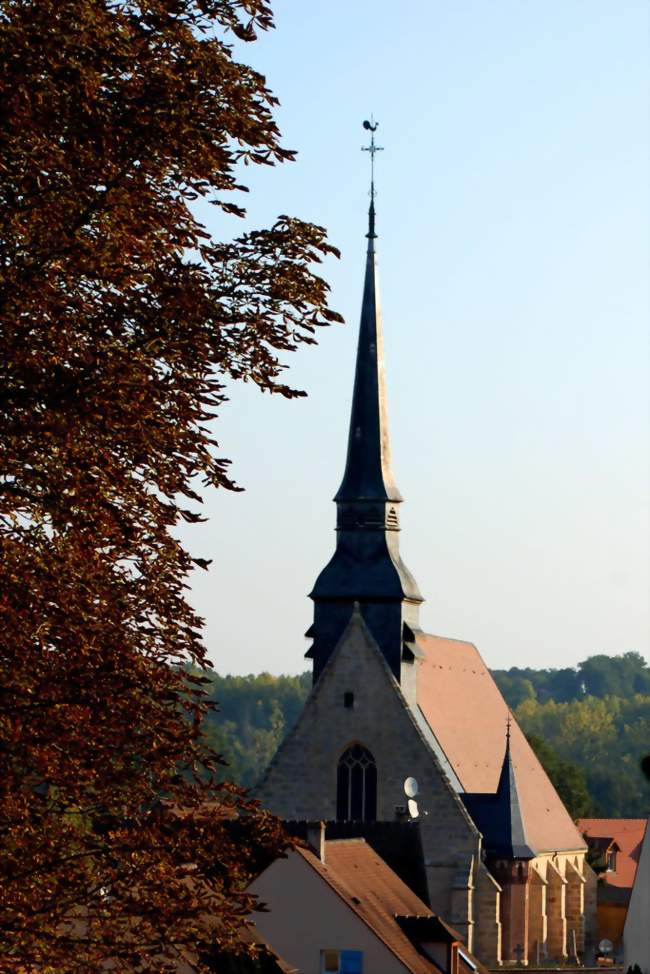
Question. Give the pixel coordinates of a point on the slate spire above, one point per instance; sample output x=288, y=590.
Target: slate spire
x=498, y=816
x=366, y=566
x=514, y=840
x=368, y=471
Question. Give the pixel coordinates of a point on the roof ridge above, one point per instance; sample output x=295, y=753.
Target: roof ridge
x=449, y=639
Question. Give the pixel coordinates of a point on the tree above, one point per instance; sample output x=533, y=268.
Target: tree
x=254, y=714
x=615, y=675
x=120, y=321
x=568, y=778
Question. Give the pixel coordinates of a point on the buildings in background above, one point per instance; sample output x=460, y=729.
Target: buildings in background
x=614, y=851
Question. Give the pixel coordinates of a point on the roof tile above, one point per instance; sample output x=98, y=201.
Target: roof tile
x=465, y=710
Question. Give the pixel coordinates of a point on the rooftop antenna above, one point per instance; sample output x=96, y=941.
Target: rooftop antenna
x=371, y=126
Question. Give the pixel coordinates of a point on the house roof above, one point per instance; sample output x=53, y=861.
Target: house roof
x=398, y=843
x=627, y=834
x=376, y=894
x=467, y=714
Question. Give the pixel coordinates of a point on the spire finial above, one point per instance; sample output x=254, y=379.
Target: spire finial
x=371, y=126
x=508, y=725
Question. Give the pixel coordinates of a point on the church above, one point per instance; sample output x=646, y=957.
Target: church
x=390, y=704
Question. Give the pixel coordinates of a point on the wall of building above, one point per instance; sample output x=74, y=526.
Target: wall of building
x=636, y=935
x=307, y=916
x=487, y=924
x=611, y=920
x=301, y=781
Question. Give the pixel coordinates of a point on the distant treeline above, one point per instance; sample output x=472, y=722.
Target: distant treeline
x=590, y=726
x=599, y=676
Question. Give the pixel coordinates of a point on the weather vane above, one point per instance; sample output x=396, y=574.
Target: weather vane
x=371, y=126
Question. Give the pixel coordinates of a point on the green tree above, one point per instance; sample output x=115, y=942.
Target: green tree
x=121, y=321
x=568, y=778
x=606, y=738
x=615, y=675
x=254, y=714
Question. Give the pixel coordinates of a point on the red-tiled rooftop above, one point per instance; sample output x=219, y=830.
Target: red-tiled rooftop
x=465, y=710
x=628, y=834
x=376, y=894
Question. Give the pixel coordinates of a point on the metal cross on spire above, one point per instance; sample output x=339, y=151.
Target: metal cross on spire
x=371, y=126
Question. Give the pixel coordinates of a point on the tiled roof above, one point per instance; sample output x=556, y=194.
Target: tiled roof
x=376, y=894
x=466, y=712
x=628, y=834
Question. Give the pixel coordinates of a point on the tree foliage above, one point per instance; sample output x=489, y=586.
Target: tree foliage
x=606, y=738
x=120, y=321
x=597, y=676
x=567, y=777
x=254, y=715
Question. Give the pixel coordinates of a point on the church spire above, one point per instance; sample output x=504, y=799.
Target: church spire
x=513, y=839
x=368, y=472
x=366, y=566
x=498, y=815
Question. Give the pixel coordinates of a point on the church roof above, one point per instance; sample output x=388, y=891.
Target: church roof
x=467, y=714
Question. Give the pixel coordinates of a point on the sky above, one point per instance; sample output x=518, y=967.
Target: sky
x=513, y=221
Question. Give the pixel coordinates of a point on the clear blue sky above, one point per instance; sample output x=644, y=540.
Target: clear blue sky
x=513, y=216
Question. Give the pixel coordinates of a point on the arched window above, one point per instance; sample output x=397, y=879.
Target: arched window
x=356, y=786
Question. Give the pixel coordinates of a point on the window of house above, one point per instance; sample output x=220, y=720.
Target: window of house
x=341, y=961
x=348, y=699
x=356, y=786
x=611, y=861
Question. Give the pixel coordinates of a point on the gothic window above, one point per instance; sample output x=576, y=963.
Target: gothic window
x=356, y=786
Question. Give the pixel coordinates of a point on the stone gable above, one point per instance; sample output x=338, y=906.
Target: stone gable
x=301, y=780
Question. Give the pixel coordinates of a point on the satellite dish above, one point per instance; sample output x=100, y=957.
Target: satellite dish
x=605, y=946
x=413, y=808
x=411, y=788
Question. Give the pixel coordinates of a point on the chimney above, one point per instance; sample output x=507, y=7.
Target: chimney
x=316, y=838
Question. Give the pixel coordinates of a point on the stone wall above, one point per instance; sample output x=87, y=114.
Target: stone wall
x=487, y=923
x=301, y=780
x=537, y=932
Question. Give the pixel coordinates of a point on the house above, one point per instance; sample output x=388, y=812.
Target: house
x=337, y=908
x=614, y=850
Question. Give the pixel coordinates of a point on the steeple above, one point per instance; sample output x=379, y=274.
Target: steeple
x=368, y=472
x=499, y=816
x=366, y=566
x=514, y=839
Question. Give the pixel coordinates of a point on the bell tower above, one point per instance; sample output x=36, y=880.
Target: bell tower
x=366, y=566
